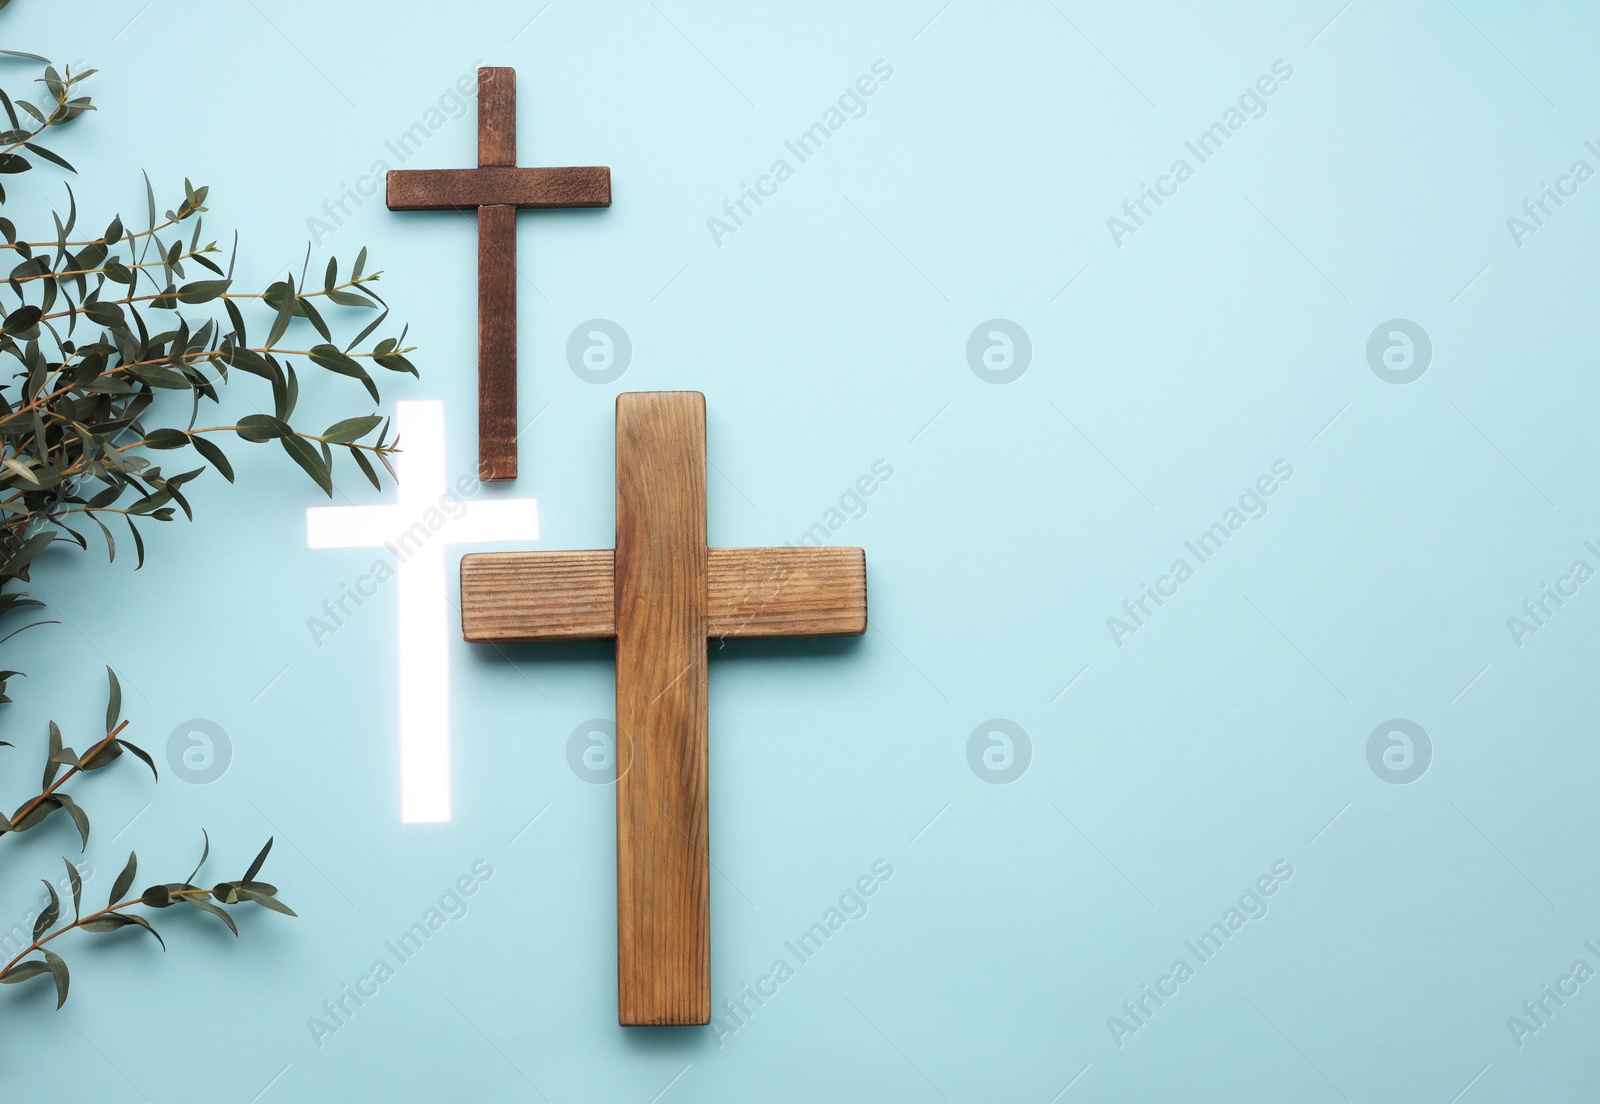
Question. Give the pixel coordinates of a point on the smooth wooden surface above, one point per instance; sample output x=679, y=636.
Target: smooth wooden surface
x=524, y=596
x=496, y=189
x=787, y=592
x=463, y=189
x=663, y=865
x=497, y=115
x=497, y=343
x=497, y=283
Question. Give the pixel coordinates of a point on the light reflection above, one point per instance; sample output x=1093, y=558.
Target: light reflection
x=413, y=532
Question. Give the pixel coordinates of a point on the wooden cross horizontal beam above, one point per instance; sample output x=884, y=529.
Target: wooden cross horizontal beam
x=469, y=189
x=750, y=592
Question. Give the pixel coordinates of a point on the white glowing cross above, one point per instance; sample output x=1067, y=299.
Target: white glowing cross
x=415, y=530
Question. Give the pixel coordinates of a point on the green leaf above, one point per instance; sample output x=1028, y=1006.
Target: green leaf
x=351, y=429
x=76, y=881
x=142, y=754
x=22, y=971
x=34, y=147
x=45, y=806
x=311, y=460
x=80, y=819
x=106, y=314
x=202, y=291
x=207, y=906
x=255, y=866
x=113, y=700
x=213, y=454
x=329, y=357
x=23, y=470
x=158, y=376
x=23, y=318
x=47, y=915
x=265, y=901
x=285, y=305
x=145, y=924
x=205, y=854
x=103, y=758
x=58, y=971
x=109, y=922
x=262, y=427
x=124, y=880
x=51, y=763
x=17, y=563
x=366, y=468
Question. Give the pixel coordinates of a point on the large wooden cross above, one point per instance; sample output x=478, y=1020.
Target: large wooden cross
x=662, y=594
x=496, y=189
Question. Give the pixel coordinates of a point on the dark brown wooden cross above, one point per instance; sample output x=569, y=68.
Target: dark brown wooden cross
x=496, y=189
x=661, y=595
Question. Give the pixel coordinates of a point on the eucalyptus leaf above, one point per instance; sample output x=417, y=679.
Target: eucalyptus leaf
x=124, y=880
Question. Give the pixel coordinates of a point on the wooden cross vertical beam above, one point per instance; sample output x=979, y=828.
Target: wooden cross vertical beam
x=497, y=282
x=663, y=865
x=495, y=191
x=662, y=594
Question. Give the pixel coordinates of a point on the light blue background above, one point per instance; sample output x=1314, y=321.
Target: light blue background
x=1228, y=733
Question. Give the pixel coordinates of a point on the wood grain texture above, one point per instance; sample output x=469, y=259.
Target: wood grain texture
x=786, y=592
x=497, y=115
x=663, y=865
x=464, y=189
x=497, y=343
x=521, y=596
x=524, y=596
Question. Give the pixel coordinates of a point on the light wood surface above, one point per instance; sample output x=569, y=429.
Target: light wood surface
x=525, y=596
x=663, y=869
x=662, y=594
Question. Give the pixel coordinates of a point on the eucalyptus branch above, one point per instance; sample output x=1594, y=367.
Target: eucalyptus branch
x=115, y=914
x=84, y=763
x=36, y=810
x=115, y=341
x=210, y=247
x=32, y=245
x=171, y=293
